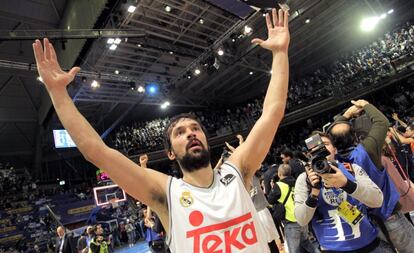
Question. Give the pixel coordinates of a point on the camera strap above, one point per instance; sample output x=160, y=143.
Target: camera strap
x=287, y=196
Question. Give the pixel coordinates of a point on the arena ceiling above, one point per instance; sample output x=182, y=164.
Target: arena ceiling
x=165, y=49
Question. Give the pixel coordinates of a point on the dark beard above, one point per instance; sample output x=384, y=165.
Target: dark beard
x=191, y=163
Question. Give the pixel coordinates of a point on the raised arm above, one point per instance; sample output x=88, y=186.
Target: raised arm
x=252, y=152
x=401, y=138
x=396, y=118
x=148, y=186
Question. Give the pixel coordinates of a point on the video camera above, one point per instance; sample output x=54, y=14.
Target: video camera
x=318, y=151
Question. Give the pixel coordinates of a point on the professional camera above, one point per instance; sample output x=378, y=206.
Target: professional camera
x=319, y=153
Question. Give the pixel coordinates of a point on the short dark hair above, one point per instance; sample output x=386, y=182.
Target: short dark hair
x=173, y=121
x=287, y=152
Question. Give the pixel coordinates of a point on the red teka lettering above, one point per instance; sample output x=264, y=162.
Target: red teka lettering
x=237, y=233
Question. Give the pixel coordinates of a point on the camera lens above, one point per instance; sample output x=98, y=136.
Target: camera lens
x=320, y=166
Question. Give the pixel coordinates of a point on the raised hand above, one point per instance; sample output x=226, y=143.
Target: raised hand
x=240, y=138
x=353, y=111
x=278, y=32
x=359, y=103
x=48, y=67
x=395, y=116
x=143, y=160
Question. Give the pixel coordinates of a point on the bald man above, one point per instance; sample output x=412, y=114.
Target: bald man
x=63, y=242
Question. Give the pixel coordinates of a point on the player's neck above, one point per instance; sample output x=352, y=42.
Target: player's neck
x=201, y=178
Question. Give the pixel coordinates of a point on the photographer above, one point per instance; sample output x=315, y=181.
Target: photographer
x=367, y=154
x=98, y=244
x=281, y=197
x=335, y=201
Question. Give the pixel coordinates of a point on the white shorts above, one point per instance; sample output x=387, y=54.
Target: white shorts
x=268, y=224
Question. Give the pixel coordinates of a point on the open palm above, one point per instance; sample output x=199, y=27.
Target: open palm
x=278, y=32
x=48, y=67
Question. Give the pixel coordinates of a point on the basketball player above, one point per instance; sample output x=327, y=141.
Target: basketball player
x=206, y=210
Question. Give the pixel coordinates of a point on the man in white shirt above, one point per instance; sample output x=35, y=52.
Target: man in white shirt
x=207, y=210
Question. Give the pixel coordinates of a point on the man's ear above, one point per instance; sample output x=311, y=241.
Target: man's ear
x=171, y=155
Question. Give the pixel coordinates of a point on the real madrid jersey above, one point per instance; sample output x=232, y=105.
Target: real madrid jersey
x=221, y=218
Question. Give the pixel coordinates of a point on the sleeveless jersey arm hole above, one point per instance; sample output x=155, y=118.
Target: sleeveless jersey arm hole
x=168, y=238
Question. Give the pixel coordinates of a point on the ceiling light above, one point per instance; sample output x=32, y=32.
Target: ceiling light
x=167, y=8
x=141, y=89
x=220, y=52
x=264, y=14
x=116, y=72
x=251, y=73
x=113, y=47
x=197, y=72
x=188, y=77
x=307, y=21
x=233, y=40
x=117, y=41
x=139, y=45
x=131, y=9
x=271, y=71
x=110, y=41
x=369, y=24
x=171, y=52
x=247, y=30
x=95, y=84
x=383, y=15
x=201, y=21
x=390, y=11
x=152, y=88
x=165, y=105
x=296, y=13
x=39, y=78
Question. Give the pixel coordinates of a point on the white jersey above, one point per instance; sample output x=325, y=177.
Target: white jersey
x=221, y=218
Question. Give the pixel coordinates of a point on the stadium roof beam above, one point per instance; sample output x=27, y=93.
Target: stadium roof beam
x=71, y=34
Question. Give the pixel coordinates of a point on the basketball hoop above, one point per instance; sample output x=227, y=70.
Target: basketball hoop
x=114, y=202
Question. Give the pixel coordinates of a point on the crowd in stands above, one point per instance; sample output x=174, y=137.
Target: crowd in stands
x=22, y=203
x=359, y=69
x=26, y=225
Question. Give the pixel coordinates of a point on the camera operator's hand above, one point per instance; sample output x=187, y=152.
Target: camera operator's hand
x=352, y=111
x=314, y=180
x=336, y=180
x=359, y=103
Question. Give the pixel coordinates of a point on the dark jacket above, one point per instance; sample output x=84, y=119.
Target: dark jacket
x=267, y=177
x=376, y=136
x=67, y=245
x=297, y=167
x=82, y=243
x=275, y=193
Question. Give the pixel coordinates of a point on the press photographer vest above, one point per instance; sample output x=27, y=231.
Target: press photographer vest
x=381, y=178
x=103, y=246
x=290, y=204
x=331, y=230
